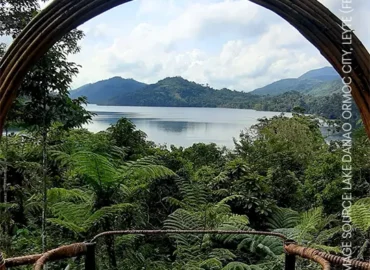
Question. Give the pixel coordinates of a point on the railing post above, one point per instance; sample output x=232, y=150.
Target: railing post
x=90, y=263
x=289, y=258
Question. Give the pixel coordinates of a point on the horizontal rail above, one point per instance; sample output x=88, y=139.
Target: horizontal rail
x=154, y=232
x=303, y=252
x=60, y=253
x=64, y=252
x=306, y=253
x=24, y=260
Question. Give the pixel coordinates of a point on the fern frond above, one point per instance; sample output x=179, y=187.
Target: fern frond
x=326, y=235
x=222, y=254
x=62, y=157
x=309, y=222
x=211, y=263
x=241, y=266
x=262, y=245
x=72, y=195
x=8, y=206
x=72, y=212
x=360, y=214
x=106, y=212
x=175, y=202
x=283, y=218
x=67, y=225
x=97, y=168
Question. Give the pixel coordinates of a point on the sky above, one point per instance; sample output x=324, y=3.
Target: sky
x=234, y=44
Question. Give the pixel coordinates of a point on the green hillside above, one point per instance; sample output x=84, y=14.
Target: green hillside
x=178, y=92
x=318, y=82
x=100, y=92
x=315, y=91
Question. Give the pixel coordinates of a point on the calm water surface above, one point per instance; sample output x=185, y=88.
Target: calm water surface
x=180, y=126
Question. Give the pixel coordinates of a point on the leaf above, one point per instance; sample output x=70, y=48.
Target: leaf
x=283, y=218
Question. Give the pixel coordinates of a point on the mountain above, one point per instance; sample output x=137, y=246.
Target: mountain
x=101, y=92
x=321, y=74
x=316, y=82
x=318, y=94
x=178, y=92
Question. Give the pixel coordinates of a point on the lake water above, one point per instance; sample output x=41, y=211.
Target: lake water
x=180, y=126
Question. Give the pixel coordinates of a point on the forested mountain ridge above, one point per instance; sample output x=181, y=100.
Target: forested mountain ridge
x=179, y=92
x=321, y=74
x=100, y=92
x=318, y=82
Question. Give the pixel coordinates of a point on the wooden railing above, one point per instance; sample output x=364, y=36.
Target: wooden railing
x=87, y=249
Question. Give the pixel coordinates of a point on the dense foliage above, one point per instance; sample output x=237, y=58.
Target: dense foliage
x=282, y=176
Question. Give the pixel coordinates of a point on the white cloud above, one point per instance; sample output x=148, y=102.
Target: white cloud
x=229, y=43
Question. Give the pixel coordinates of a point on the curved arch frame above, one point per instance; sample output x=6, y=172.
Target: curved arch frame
x=313, y=20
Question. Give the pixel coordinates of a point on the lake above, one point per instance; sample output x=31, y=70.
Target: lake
x=180, y=126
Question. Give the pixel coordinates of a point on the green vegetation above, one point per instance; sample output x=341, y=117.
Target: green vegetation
x=324, y=79
x=62, y=184
x=281, y=177
x=319, y=96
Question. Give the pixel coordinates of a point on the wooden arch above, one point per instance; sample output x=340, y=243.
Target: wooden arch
x=318, y=24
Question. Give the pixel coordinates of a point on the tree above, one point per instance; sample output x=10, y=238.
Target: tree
x=124, y=134
x=43, y=95
x=113, y=183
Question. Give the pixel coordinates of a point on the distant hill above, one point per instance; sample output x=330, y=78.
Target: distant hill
x=101, y=92
x=318, y=82
x=321, y=74
x=317, y=92
x=178, y=92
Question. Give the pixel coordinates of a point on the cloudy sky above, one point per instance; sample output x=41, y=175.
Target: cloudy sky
x=225, y=43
